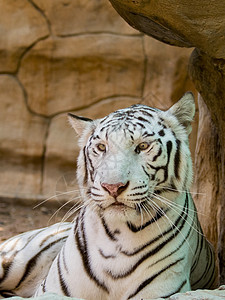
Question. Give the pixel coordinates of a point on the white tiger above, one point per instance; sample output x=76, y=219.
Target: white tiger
x=137, y=234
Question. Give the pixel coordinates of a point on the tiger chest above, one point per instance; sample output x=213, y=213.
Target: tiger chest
x=115, y=257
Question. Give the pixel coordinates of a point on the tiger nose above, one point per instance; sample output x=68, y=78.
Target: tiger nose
x=115, y=189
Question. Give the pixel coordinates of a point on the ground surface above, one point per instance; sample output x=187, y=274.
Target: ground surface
x=16, y=218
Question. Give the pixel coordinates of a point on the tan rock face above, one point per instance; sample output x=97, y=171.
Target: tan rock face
x=21, y=26
x=166, y=80
x=208, y=75
x=21, y=143
x=83, y=16
x=74, y=72
x=185, y=23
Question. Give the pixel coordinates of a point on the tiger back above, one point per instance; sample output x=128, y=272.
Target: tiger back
x=137, y=233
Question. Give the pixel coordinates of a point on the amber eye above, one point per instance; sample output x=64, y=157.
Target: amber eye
x=143, y=146
x=101, y=147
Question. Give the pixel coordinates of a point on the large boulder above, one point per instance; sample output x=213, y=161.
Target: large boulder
x=181, y=23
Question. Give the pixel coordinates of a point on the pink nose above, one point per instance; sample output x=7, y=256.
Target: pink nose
x=115, y=189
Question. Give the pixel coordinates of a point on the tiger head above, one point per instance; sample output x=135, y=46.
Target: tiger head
x=135, y=156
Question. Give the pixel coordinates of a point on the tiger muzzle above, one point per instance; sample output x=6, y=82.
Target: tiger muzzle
x=115, y=189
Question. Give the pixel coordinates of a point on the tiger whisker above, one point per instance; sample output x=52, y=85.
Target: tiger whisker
x=55, y=196
x=174, y=226
x=183, y=191
x=178, y=210
x=139, y=208
x=57, y=211
x=146, y=204
x=72, y=211
x=177, y=205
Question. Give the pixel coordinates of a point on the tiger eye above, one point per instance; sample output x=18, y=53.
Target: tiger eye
x=143, y=146
x=101, y=147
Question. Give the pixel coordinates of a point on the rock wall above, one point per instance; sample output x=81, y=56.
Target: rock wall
x=79, y=56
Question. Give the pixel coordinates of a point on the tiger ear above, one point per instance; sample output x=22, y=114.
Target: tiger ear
x=184, y=111
x=78, y=123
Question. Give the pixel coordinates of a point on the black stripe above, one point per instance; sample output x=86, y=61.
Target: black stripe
x=137, y=194
x=157, y=248
x=104, y=119
x=96, y=137
x=105, y=256
x=139, y=187
x=161, y=132
x=7, y=294
x=140, y=124
x=146, y=113
x=6, y=243
x=7, y=264
x=143, y=119
x=85, y=168
x=107, y=230
x=174, y=251
x=184, y=212
x=197, y=253
x=150, y=279
x=157, y=155
x=51, y=235
x=165, y=168
x=43, y=286
x=64, y=259
x=145, y=172
x=32, y=263
x=169, y=149
x=205, y=273
x=159, y=214
x=96, y=195
x=63, y=285
x=91, y=169
x=211, y=279
x=93, y=150
x=177, y=160
x=177, y=290
x=147, y=134
x=80, y=118
x=81, y=242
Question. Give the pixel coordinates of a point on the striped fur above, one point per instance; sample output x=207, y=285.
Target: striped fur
x=137, y=234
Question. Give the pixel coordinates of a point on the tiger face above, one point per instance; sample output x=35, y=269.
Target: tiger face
x=135, y=156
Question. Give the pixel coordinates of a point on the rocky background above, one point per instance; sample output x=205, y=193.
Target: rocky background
x=78, y=56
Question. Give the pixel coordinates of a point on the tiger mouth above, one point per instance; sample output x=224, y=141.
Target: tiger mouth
x=117, y=203
x=121, y=205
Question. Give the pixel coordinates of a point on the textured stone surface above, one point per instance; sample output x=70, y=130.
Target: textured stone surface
x=21, y=142
x=185, y=23
x=166, y=79
x=208, y=75
x=21, y=25
x=75, y=72
x=207, y=185
x=75, y=17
